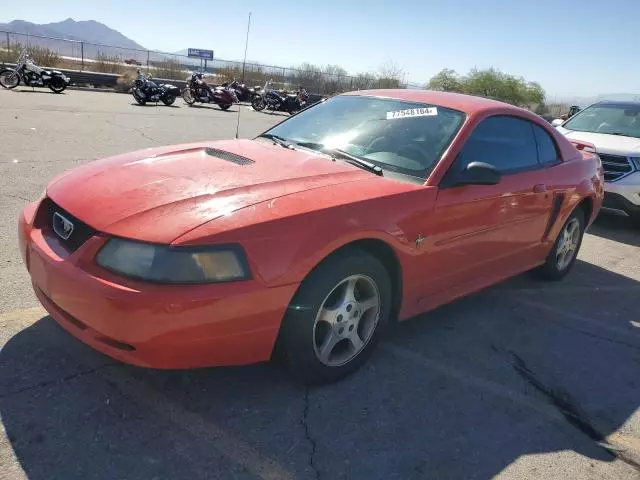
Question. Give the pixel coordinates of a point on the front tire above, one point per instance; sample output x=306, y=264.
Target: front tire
x=225, y=106
x=336, y=318
x=188, y=98
x=9, y=78
x=57, y=85
x=141, y=100
x=565, y=250
x=258, y=103
x=168, y=100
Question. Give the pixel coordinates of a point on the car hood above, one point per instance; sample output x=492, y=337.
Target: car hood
x=157, y=195
x=614, y=144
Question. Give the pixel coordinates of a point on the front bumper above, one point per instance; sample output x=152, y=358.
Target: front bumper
x=624, y=194
x=158, y=326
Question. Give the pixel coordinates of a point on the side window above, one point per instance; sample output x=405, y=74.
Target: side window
x=547, y=150
x=505, y=142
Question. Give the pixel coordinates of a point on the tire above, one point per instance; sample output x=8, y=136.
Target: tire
x=258, y=103
x=225, y=107
x=558, y=265
x=168, y=100
x=6, y=73
x=188, y=98
x=323, y=345
x=57, y=85
x=141, y=101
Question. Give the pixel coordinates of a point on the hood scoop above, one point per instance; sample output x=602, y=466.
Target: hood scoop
x=228, y=156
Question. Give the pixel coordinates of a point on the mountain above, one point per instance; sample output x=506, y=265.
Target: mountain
x=87, y=30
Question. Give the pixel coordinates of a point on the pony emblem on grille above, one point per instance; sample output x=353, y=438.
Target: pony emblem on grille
x=62, y=226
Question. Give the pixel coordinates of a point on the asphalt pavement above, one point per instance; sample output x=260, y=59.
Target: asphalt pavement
x=525, y=380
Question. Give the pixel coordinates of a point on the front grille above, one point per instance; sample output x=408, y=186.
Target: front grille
x=81, y=231
x=615, y=166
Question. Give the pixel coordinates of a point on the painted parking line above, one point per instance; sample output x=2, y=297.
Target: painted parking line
x=229, y=446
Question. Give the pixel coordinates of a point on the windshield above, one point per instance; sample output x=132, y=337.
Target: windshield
x=612, y=119
x=399, y=136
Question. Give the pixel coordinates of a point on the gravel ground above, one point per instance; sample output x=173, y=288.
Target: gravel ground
x=525, y=380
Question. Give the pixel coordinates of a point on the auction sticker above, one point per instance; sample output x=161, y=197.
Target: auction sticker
x=413, y=112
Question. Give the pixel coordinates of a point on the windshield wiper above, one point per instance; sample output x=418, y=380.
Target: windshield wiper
x=277, y=140
x=336, y=152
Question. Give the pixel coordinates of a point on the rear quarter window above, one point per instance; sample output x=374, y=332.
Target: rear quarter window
x=547, y=149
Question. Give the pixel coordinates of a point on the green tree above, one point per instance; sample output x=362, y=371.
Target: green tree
x=447, y=80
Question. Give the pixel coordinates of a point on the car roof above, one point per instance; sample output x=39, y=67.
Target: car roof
x=614, y=103
x=456, y=101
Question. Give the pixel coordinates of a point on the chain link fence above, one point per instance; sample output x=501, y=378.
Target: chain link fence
x=86, y=56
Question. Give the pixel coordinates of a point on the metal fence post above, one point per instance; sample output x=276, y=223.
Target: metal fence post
x=82, y=55
x=8, y=44
x=148, y=54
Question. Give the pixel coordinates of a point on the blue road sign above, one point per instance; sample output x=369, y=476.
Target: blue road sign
x=200, y=53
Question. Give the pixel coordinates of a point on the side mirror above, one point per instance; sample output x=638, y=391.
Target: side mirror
x=479, y=173
x=557, y=122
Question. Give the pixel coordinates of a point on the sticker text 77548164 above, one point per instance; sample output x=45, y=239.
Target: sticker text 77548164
x=413, y=112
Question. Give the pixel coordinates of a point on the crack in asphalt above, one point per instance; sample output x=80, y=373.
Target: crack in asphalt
x=304, y=421
x=15, y=196
x=572, y=413
x=65, y=379
x=138, y=131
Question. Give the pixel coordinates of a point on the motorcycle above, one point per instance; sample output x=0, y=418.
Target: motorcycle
x=271, y=100
x=32, y=75
x=145, y=90
x=198, y=91
x=243, y=92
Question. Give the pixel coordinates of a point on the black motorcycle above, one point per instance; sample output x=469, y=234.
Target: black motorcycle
x=32, y=75
x=243, y=92
x=145, y=90
x=274, y=101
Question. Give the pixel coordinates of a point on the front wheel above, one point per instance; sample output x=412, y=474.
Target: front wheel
x=226, y=106
x=57, y=85
x=168, y=100
x=258, y=103
x=337, y=317
x=565, y=250
x=9, y=78
x=138, y=97
x=188, y=97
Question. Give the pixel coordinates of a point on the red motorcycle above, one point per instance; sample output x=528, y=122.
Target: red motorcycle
x=198, y=90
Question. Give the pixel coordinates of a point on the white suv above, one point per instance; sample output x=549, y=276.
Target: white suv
x=614, y=129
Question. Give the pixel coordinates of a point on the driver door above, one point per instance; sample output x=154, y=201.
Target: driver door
x=484, y=233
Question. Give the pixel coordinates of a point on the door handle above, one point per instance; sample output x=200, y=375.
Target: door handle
x=540, y=188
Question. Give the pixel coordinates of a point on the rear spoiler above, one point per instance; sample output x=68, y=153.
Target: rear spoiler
x=587, y=149
x=583, y=146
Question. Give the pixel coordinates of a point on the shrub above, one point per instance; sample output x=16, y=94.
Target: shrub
x=42, y=56
x=108, y=63
x=170, y=69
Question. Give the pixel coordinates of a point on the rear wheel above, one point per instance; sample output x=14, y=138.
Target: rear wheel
x=337, y=317
x=168, y=100
x=565, y=250
x=57, y=85
x=9, y=78
x=225, y=107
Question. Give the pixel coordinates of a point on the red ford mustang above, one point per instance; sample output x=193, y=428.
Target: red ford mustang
x=367, y=208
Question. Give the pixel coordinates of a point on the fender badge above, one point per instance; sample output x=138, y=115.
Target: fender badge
x=419, y=240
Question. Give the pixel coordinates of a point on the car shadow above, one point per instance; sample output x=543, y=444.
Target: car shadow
x=617, y=227
x=520, y=369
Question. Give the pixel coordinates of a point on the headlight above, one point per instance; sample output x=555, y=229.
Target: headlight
x=636, y=162
x=165, y=264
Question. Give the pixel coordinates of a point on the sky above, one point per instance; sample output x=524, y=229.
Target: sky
x=572, y=48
